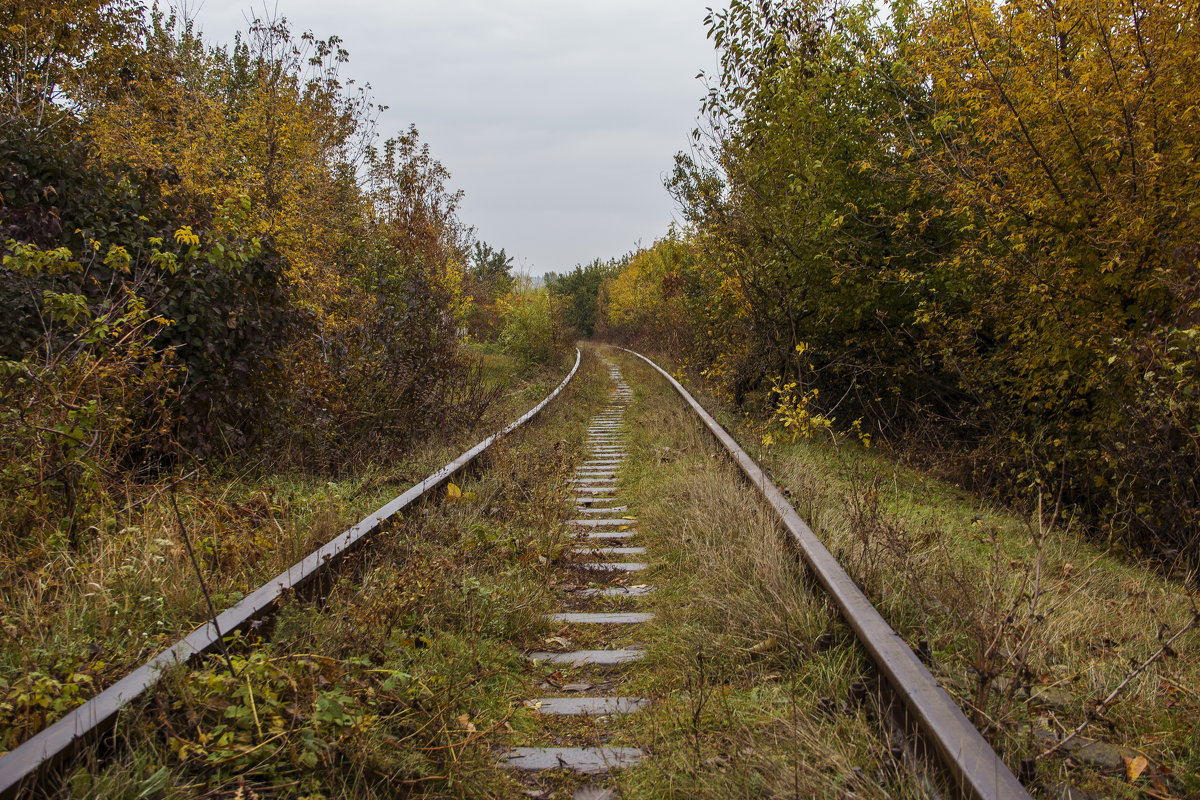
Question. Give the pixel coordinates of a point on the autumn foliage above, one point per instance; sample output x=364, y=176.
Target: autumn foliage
x=971, y=225
x=209, y=254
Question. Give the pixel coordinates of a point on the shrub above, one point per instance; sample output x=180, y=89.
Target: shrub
x=89, y=400
x=533, y=330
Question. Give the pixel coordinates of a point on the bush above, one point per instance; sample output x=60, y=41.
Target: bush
x=88, y=401
x=533, y=330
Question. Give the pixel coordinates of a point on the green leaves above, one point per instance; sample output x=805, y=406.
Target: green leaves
x=66, y=307
x=29, y=260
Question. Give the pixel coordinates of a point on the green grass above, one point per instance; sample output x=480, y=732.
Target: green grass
x=402, y=676
x=408, y=675
x=76, y=620
x=1030, y=623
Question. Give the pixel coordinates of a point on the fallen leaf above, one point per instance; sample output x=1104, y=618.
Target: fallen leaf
x=453, y=492
x=1134, y=767
x=766, y=645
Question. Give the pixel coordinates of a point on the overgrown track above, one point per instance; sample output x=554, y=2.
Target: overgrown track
x=935, y=731
x=23, y=766
x=916, y=697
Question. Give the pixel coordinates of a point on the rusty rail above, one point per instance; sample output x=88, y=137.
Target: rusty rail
x=24, y=765
x=962, y=750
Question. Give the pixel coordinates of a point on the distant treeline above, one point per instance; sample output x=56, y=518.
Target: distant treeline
x=973, y=226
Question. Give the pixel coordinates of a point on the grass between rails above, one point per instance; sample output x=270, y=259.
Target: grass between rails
x=77, y=619
x=1028, y=624
x=749, y=668
x=403, y=675
x=408, y=678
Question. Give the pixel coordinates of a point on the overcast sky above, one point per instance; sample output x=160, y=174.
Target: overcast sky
x=558, y=118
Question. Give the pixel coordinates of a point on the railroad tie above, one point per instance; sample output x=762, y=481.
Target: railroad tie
x=610, y=510
x=610, y=551
x=604, y=530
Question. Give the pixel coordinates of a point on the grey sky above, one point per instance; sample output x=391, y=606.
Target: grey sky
x=558, y=119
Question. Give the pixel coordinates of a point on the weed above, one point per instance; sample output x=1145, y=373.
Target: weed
x=400, y=677
x=1027, y=625
x=130, y=589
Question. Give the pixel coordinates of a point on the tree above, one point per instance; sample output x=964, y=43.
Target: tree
x=579, y=292
x=491, y=270
x=1064, y=141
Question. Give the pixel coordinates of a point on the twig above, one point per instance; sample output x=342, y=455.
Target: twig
x=472, y=738
x=212, y=611
x=245, y=753
x=253, y=706
x=1103, y=705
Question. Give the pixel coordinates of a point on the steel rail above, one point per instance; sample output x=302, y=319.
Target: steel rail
x=972, y=763
x=24, y=765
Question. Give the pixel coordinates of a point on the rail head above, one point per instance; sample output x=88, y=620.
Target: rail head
x=22, y=766
x=971, y=762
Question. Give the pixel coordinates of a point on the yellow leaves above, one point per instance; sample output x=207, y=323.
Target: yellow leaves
x=185, y=236
x=452, y=280
x=768, y=645
x=791, y=410
x=117, y=258
x=416, y=643
x=29, y=259
x=863, y=436
x=1134, y=767
x=456, y=495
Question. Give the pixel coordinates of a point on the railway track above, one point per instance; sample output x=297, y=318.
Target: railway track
x=604, y=532
x=938, y=730
x=936, y=735
x=22, y=767
x=609, y=548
